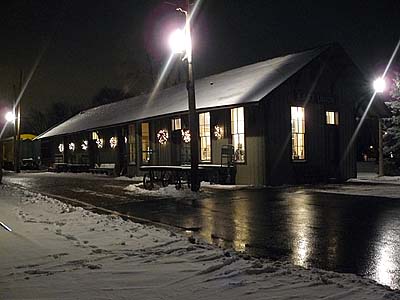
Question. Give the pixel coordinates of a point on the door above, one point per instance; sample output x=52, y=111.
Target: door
x=332, y=150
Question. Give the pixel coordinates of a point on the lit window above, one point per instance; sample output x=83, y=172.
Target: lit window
x=237, y=130
x=298, y=132
x=132, y=142
x=95, y=136
x=205, y=136
x=145, y=142
x=332, y=118
x=176, y=124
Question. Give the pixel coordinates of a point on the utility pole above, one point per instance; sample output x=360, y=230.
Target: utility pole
x=193, y=117
x=17, y=125
x=380, y=146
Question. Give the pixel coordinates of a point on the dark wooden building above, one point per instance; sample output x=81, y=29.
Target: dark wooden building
x=290, y=120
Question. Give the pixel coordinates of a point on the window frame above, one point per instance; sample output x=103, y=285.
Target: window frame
x=206, y=137
x=132, y=146
x=145, y=152
x=335, y=117
x=174, y=122
x=301, y=131
x=237, y=133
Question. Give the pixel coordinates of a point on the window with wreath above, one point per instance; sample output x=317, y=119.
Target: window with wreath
x=132, y=143
x=237, y=132
x=298, y=133
x=205, y=136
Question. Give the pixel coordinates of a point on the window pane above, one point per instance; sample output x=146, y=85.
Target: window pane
x=145, y=142
x=132, y=143
x=298, y=132
x=238, y=134
x=332, y=118
x=205, y=136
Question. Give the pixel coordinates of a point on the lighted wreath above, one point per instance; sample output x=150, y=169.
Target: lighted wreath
x=85, y=145
x=61, y=148
x=162, y=136
x=186, y=136
x=218, y=132
x=100, y=143
x=71, y=146
x=113, y=142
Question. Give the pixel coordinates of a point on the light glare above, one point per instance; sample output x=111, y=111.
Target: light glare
x=177, y=41
x=379, y=85
x=10, y=117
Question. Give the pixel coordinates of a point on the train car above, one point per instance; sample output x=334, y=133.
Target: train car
x=29, y=152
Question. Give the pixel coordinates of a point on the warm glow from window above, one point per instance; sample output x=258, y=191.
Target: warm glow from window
x=298, y=132
x=237, y=131
x=205, y=136
x=95, y=136
x=132, y=142
x=145, y=142
x=176, y=124
x=332, y=118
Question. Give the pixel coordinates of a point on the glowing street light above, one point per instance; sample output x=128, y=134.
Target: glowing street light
x=379, y=85
x=177, y=41
x=181, y=42
x=10, y=117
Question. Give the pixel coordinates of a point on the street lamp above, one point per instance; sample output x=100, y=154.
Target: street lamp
x=181, y=42
x=379, y=85
x=177, y=41
x=10, y=117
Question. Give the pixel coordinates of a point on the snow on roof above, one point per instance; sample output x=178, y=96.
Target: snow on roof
x=238, y=86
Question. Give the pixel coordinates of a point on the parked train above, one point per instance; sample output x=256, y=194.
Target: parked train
x=29, y=152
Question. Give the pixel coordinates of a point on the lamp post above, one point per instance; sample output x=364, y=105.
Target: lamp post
x=379, y=87
x=182, y=42
x=11, y=117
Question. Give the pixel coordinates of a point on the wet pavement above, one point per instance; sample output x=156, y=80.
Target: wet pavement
x=356, y=234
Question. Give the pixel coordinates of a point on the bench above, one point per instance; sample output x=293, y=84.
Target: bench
x=179, y=175
x=77, y=168
x=165, y=175
x=107, y=168
x=58, y=167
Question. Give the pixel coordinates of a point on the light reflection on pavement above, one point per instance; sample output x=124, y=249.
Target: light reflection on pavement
x=344, y=233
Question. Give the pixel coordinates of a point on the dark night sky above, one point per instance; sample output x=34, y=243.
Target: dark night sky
x=96, y=42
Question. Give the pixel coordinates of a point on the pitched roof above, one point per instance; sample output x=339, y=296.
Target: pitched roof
x=238, y=86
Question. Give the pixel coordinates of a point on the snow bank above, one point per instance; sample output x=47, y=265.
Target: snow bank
x=164, y=192
x=58, y=251
x=373, y=190
x=374, y=178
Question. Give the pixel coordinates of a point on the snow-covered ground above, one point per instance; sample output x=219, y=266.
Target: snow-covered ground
x=375, y=186
x=374, y=178
x=57, y=251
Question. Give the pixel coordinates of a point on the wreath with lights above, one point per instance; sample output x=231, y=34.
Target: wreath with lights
x=85, y=145
x=162, y=136
x=186, y=136
x=71, y=146
x=218, y=133
x=100, y=143
x=113, y=142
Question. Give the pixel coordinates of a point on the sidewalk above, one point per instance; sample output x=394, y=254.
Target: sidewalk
x=368, y=177
x=57, y=251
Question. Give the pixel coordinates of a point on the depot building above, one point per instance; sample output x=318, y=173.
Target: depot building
x=288, y=119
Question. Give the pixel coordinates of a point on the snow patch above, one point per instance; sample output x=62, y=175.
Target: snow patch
x=163, y=192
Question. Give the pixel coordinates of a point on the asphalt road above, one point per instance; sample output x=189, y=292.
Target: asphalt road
x=344, y=233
